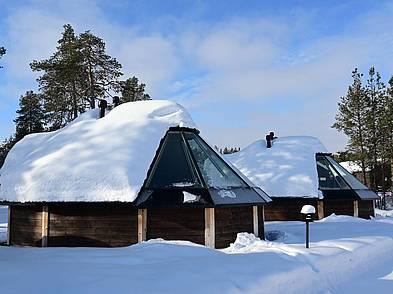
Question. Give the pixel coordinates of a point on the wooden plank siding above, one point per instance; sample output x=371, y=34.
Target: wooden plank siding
x=96, y=225
x=338, y=207
x=281, y=209
x=366, y=208
x=26, y=225
x=113, y=225
x=93, y=225
x=186, y=223
x=231, y=220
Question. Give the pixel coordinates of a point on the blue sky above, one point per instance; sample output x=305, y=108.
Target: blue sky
x=242, y=68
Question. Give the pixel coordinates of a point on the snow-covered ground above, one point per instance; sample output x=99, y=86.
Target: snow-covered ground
x=347, y=255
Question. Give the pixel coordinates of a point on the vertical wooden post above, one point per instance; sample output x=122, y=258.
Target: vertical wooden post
x=45, y=226
x=321, y=214
x=142, y=224
x=262, y=228
x=210, y=234
x=255, y=220
x=374, y=201
x=9, y=226
x=355, y=208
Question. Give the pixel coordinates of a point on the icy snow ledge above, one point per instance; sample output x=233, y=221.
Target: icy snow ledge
x=288, y=169
x=91, y=159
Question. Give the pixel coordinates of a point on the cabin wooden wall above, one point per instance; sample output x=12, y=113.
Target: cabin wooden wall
x=338, y=207
x=93, y=225
x=113, y=225
x=186, y=223
x=366, y=208
x=287, y=209
x=26, y=225
x=231, y=220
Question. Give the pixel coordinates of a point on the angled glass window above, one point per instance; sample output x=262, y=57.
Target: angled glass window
x=215, y=172
x=173, y=167
x=328, y=177
x=349, y=178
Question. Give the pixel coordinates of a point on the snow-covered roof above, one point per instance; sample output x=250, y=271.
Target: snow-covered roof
x=91, y=159
x=287, y=169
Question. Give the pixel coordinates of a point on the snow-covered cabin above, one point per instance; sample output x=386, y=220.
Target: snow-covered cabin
x=297, y=171
x=140, y=172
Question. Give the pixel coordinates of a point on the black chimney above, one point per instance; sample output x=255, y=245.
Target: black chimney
x=115, y=101
x=268, y=141
x=271, y=136
x=102, y=105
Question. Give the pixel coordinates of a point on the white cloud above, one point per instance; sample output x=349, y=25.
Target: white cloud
x=257, y=60
x=152, y=59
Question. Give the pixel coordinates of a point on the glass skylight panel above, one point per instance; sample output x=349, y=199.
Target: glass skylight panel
x=173, y=168
x=328, y=177
x=349, y=178
x=215, y=172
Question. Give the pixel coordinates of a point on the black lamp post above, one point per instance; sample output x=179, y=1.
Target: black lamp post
x=308, y=212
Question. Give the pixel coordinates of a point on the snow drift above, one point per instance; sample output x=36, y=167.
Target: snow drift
x=288, y=169
x=91, y=159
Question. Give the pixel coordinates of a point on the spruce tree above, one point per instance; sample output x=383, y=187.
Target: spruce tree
x=131, y=90
x=30, y=115
x=352, y=119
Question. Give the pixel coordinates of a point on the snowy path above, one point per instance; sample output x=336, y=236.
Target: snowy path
x=347, y=256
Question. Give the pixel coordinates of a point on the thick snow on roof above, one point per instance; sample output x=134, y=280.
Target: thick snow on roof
x=91, y=159
x=288, y=169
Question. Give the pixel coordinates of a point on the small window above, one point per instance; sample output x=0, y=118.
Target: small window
x=215, y=172
x=173, y=168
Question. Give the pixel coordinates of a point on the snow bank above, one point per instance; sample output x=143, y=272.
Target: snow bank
x=91, y=159
x=288, y=169
x=353, y=257
x=341, y=218
x=383, y=213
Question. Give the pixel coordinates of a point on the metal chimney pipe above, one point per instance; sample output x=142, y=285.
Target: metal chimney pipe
x=115, y=101
x=271, y=136
x=268, y=141
x=102, y=105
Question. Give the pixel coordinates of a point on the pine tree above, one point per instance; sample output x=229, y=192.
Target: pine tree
x=5, y=147
x=101, y=71
x=352, y=119
x=131, y=90
x=375, y=95
x=388, y=138
x=76, y=74
x=62, y=81
x=31, y=115
x=2, y=52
